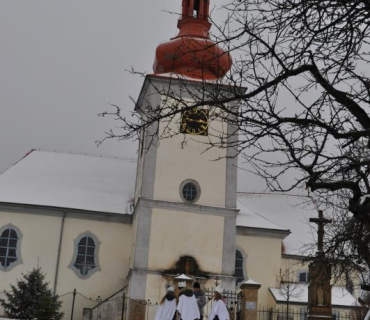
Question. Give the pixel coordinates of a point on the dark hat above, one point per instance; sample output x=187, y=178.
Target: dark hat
x=196, y=285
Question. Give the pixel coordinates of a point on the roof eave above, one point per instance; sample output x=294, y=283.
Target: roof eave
x=52, y=210
x=262, y=232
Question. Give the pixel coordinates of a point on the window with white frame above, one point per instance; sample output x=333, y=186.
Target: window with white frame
x=10, y=238
x=303, y=276
x=85, y=258
x=190, y=191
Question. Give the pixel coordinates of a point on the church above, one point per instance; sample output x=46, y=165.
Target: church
x=107, y=230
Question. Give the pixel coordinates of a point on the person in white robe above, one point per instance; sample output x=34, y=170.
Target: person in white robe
x=219, y=310
x=167, y=307
x=188, y=306
x=367, y=317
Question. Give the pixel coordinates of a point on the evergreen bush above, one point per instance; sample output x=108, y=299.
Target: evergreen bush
x=32, y=299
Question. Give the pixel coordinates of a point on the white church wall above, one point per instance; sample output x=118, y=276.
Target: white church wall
x=293, y=266
x=34, y=248
x=156, y=289
x=39, y=244
x=109, y=309
x=134, y=232
x=139, y=169
x=263, y=262
x=39, y=247
x=114, y=254
x=80, y=303
x=177, y=161
x=170, y=234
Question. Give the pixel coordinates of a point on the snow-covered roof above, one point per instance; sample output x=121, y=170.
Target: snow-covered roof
x=68, y=180
x=279, y=212
x=247, y=217
x=250, y=281
x=106, y=184
x=340, y=297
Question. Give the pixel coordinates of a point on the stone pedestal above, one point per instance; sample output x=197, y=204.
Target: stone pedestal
x=250, y=300
x=319, y=292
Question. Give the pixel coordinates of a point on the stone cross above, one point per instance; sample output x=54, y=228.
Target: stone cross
x=321, y=222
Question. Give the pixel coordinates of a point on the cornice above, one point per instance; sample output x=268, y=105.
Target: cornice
x=261, y=232
x=187, y=207
x=70, y=212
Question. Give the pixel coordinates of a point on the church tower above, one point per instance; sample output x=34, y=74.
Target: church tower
x=185, y=201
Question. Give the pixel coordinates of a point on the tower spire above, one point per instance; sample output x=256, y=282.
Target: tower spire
x=192, y=53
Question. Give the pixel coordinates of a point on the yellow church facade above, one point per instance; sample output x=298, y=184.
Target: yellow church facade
x=75, y=217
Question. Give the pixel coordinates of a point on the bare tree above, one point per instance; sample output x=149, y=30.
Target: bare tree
x=288, y=288
x=303, y=120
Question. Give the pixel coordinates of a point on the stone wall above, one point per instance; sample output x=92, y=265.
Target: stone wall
x=108, y=309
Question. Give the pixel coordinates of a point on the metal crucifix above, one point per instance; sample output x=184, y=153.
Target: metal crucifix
x=321, y=222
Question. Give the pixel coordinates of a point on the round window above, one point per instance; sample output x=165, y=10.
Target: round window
x=189, y=191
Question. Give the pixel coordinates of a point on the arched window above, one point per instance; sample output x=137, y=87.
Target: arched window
x=85, y=258
x=9, y=247
x=239, y=267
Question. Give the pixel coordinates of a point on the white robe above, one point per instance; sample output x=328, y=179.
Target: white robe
x=166, y=311
x=188, y=308
x=367, y=317
x=219, y=309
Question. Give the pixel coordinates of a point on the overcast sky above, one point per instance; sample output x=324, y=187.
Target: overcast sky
x=63, y=62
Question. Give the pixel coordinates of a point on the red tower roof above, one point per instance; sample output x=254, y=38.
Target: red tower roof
x=192, y=53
